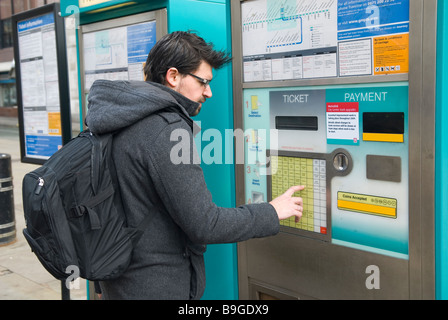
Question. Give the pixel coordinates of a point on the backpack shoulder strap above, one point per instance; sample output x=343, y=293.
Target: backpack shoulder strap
x=140, y=229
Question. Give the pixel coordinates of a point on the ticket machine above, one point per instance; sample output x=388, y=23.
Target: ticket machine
x=339, y=96
x=113, y=39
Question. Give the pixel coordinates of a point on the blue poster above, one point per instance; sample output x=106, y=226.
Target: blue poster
x=141, y=38
x=37, y=22
x=361, y=18
x=42, y=146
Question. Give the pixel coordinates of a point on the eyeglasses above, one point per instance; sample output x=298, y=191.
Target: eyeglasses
x=205, y=82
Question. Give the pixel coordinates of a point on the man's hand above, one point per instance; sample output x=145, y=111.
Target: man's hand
x=287, y=206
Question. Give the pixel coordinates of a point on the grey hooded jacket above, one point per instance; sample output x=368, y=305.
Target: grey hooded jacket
x=168, y=260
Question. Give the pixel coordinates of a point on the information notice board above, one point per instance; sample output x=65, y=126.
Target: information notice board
x=117, y=52
x=307, y=39
x=42, y=82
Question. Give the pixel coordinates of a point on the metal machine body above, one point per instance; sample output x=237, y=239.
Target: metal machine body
x=319, y=109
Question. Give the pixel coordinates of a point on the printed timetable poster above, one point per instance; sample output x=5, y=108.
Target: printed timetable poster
x=118, y=53
x=40, y=86
x=306, y=39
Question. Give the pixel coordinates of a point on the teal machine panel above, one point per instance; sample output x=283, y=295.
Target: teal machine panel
x=211, y=19
x=340, y=97
x=442, y=154
x=369, y=210
x=216, y=115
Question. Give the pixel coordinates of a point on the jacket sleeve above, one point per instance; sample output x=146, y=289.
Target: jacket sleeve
x=184, y=192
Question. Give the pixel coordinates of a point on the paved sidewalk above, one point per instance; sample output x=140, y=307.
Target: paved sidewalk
x=22, y=277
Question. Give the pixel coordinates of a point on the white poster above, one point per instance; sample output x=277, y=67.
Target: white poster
x=39, y=86
x=343, y=121
x=298, y=36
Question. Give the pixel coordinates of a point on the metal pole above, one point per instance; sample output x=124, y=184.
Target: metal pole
x=65, y=292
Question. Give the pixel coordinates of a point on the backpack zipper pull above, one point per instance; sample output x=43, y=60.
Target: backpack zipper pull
x=39, y=185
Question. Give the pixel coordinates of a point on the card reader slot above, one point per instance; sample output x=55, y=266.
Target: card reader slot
x=296, y=123
x=383, y=122
x=383, y=126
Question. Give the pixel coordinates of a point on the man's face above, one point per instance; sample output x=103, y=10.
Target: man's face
x=193, y=89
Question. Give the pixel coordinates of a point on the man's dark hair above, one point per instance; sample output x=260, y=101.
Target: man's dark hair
x=184, y=51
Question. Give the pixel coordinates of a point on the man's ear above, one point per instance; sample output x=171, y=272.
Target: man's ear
x=172, y=78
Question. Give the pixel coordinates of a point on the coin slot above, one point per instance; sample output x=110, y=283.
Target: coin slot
x=340, y=162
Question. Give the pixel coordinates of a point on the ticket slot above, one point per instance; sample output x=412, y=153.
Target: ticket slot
x=296, y=123
x=383, y=126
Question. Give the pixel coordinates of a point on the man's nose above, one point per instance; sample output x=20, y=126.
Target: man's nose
x=208, y=92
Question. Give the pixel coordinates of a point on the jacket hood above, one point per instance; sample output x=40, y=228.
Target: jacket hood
x=114, y=105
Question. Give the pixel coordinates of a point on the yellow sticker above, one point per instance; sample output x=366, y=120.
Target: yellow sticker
x=383, y=137
x=391, y=54
x=54, y=123
x=381, y=206
x=254, y=102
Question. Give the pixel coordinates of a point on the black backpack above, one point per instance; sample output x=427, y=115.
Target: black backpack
x=73, y=212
